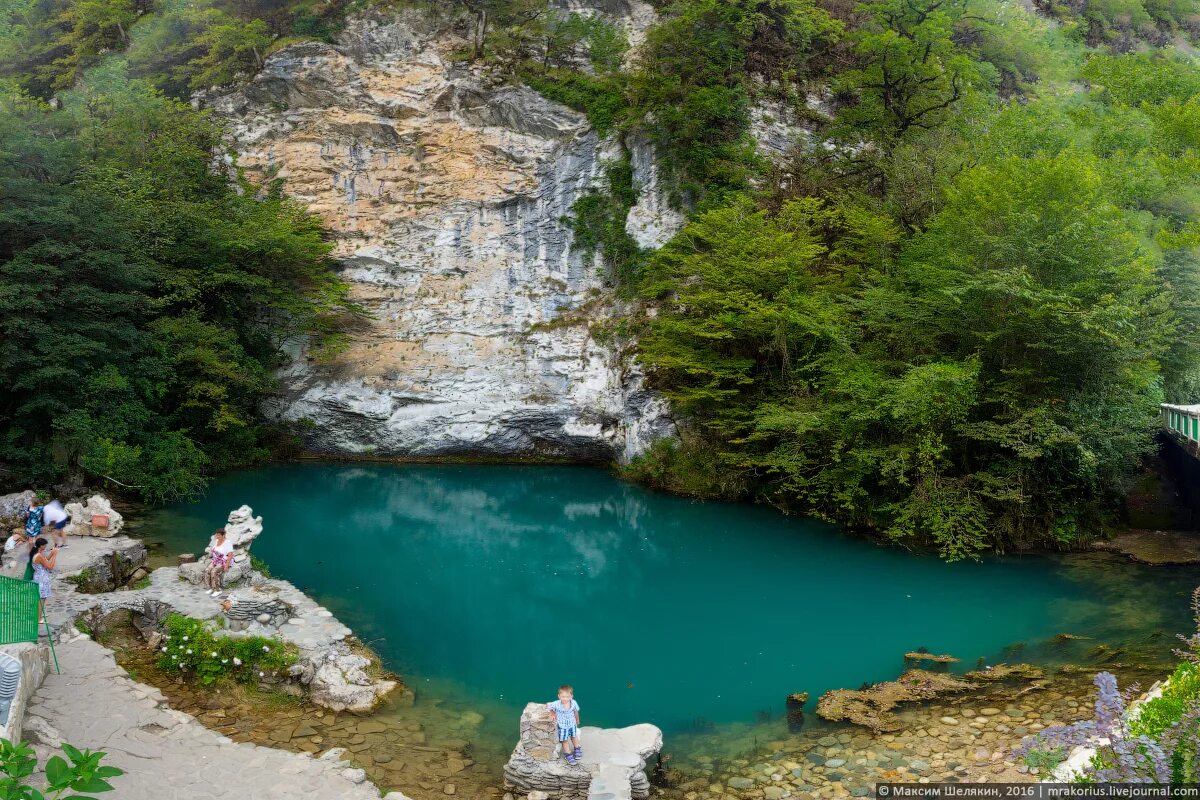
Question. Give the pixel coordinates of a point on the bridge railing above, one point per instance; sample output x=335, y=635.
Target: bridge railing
x=1184, y=421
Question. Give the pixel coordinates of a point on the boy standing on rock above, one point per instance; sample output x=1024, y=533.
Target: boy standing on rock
x=565, y=712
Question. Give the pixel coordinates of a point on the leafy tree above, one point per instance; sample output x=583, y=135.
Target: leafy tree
x=144, y=298
x=913, y=73
x=695, y=78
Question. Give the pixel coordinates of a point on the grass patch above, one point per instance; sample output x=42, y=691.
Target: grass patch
x=600, y=97
x=259, y=566
x=193, y=648
x=688, y=467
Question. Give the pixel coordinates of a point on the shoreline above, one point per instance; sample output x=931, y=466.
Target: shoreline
x=1123, y=541
x=812, y=779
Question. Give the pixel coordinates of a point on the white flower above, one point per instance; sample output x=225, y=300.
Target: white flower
x=224, y=660
x=214, y=655
x=266, y=649
x=237, y=662
x=185, y=638
x=262, y=674
x=164, y=649
x=189, y=652
x=174, y=658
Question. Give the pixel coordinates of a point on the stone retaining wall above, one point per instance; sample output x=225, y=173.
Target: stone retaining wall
x=35, y=664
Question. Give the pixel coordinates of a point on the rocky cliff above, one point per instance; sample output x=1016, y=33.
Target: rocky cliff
x=449, y=195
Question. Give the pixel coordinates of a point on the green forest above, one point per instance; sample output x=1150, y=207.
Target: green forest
x=948, y=317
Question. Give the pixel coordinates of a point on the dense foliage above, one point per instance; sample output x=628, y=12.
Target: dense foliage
x=952, y=318
x=46, y=45
x=194, y=648
x=144, y=296
x=947, y=316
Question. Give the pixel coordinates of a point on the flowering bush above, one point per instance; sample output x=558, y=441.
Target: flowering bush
x=1122, y=756
x=1158, y=742
x=193, y=646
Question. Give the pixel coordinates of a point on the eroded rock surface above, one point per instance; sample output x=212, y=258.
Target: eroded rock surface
x=450, y=197
x=89, y=518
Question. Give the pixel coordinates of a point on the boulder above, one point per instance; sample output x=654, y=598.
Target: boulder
x=12, y=506
x=340, y=682
x=613, y=764
x=110, y=567
x=241, y=529
x=82, y=515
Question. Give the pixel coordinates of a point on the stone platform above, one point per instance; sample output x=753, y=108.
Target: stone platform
x=613, y=766
x=334, y=676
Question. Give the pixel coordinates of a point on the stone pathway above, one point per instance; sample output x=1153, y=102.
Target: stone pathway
x=167, y=754
x=310, y=627
x=336, y=675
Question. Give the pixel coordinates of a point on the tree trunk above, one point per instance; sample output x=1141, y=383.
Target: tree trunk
x=480, y=34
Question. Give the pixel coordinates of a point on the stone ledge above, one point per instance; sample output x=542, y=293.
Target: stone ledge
x=35, y=664
x=613, y=766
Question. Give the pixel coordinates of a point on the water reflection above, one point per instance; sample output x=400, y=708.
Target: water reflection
x=505, y=581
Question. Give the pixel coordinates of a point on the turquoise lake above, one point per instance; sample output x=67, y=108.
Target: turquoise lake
x=491, y=585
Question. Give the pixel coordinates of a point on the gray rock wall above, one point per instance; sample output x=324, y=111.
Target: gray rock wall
x=450, y=197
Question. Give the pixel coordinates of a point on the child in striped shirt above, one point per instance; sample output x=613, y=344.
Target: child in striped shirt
x=565, y=712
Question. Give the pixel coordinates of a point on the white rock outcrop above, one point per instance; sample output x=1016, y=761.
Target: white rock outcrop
x=241, y=529
x=341, y=682
x=450, y=197
x=83, y=514
x=613, y=766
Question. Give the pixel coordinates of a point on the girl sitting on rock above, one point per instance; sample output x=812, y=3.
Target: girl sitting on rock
x=220, y=559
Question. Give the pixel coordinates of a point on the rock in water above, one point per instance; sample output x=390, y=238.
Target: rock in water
x=613, y=764
x=448, y=197
x=795, y=710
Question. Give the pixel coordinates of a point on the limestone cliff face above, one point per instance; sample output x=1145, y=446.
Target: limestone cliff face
x=449, y=196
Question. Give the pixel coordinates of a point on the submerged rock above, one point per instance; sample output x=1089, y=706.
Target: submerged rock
x=919, y=656
x=795, y=710
x=871, y=707
x=1155, y=547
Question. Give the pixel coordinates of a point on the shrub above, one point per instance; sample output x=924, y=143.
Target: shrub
x=82, y=776
x=194, y=647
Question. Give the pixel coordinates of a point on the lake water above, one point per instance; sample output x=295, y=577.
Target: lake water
x=488, y=586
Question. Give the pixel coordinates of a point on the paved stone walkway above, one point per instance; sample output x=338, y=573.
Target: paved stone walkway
x=310, y=627
x=166, y=754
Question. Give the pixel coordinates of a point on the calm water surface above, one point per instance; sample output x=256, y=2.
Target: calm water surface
x=487, y=586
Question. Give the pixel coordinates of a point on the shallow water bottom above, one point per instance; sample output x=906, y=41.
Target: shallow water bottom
x=487, y=586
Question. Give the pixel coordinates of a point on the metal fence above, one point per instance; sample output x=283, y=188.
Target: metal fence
x=18, y=611
x=1183, y=420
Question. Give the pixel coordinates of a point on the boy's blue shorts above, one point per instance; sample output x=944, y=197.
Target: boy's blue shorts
x=567, y=733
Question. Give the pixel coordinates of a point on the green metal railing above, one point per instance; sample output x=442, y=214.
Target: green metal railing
x=18, y=611
x=19, y=614
x=1182, y=420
